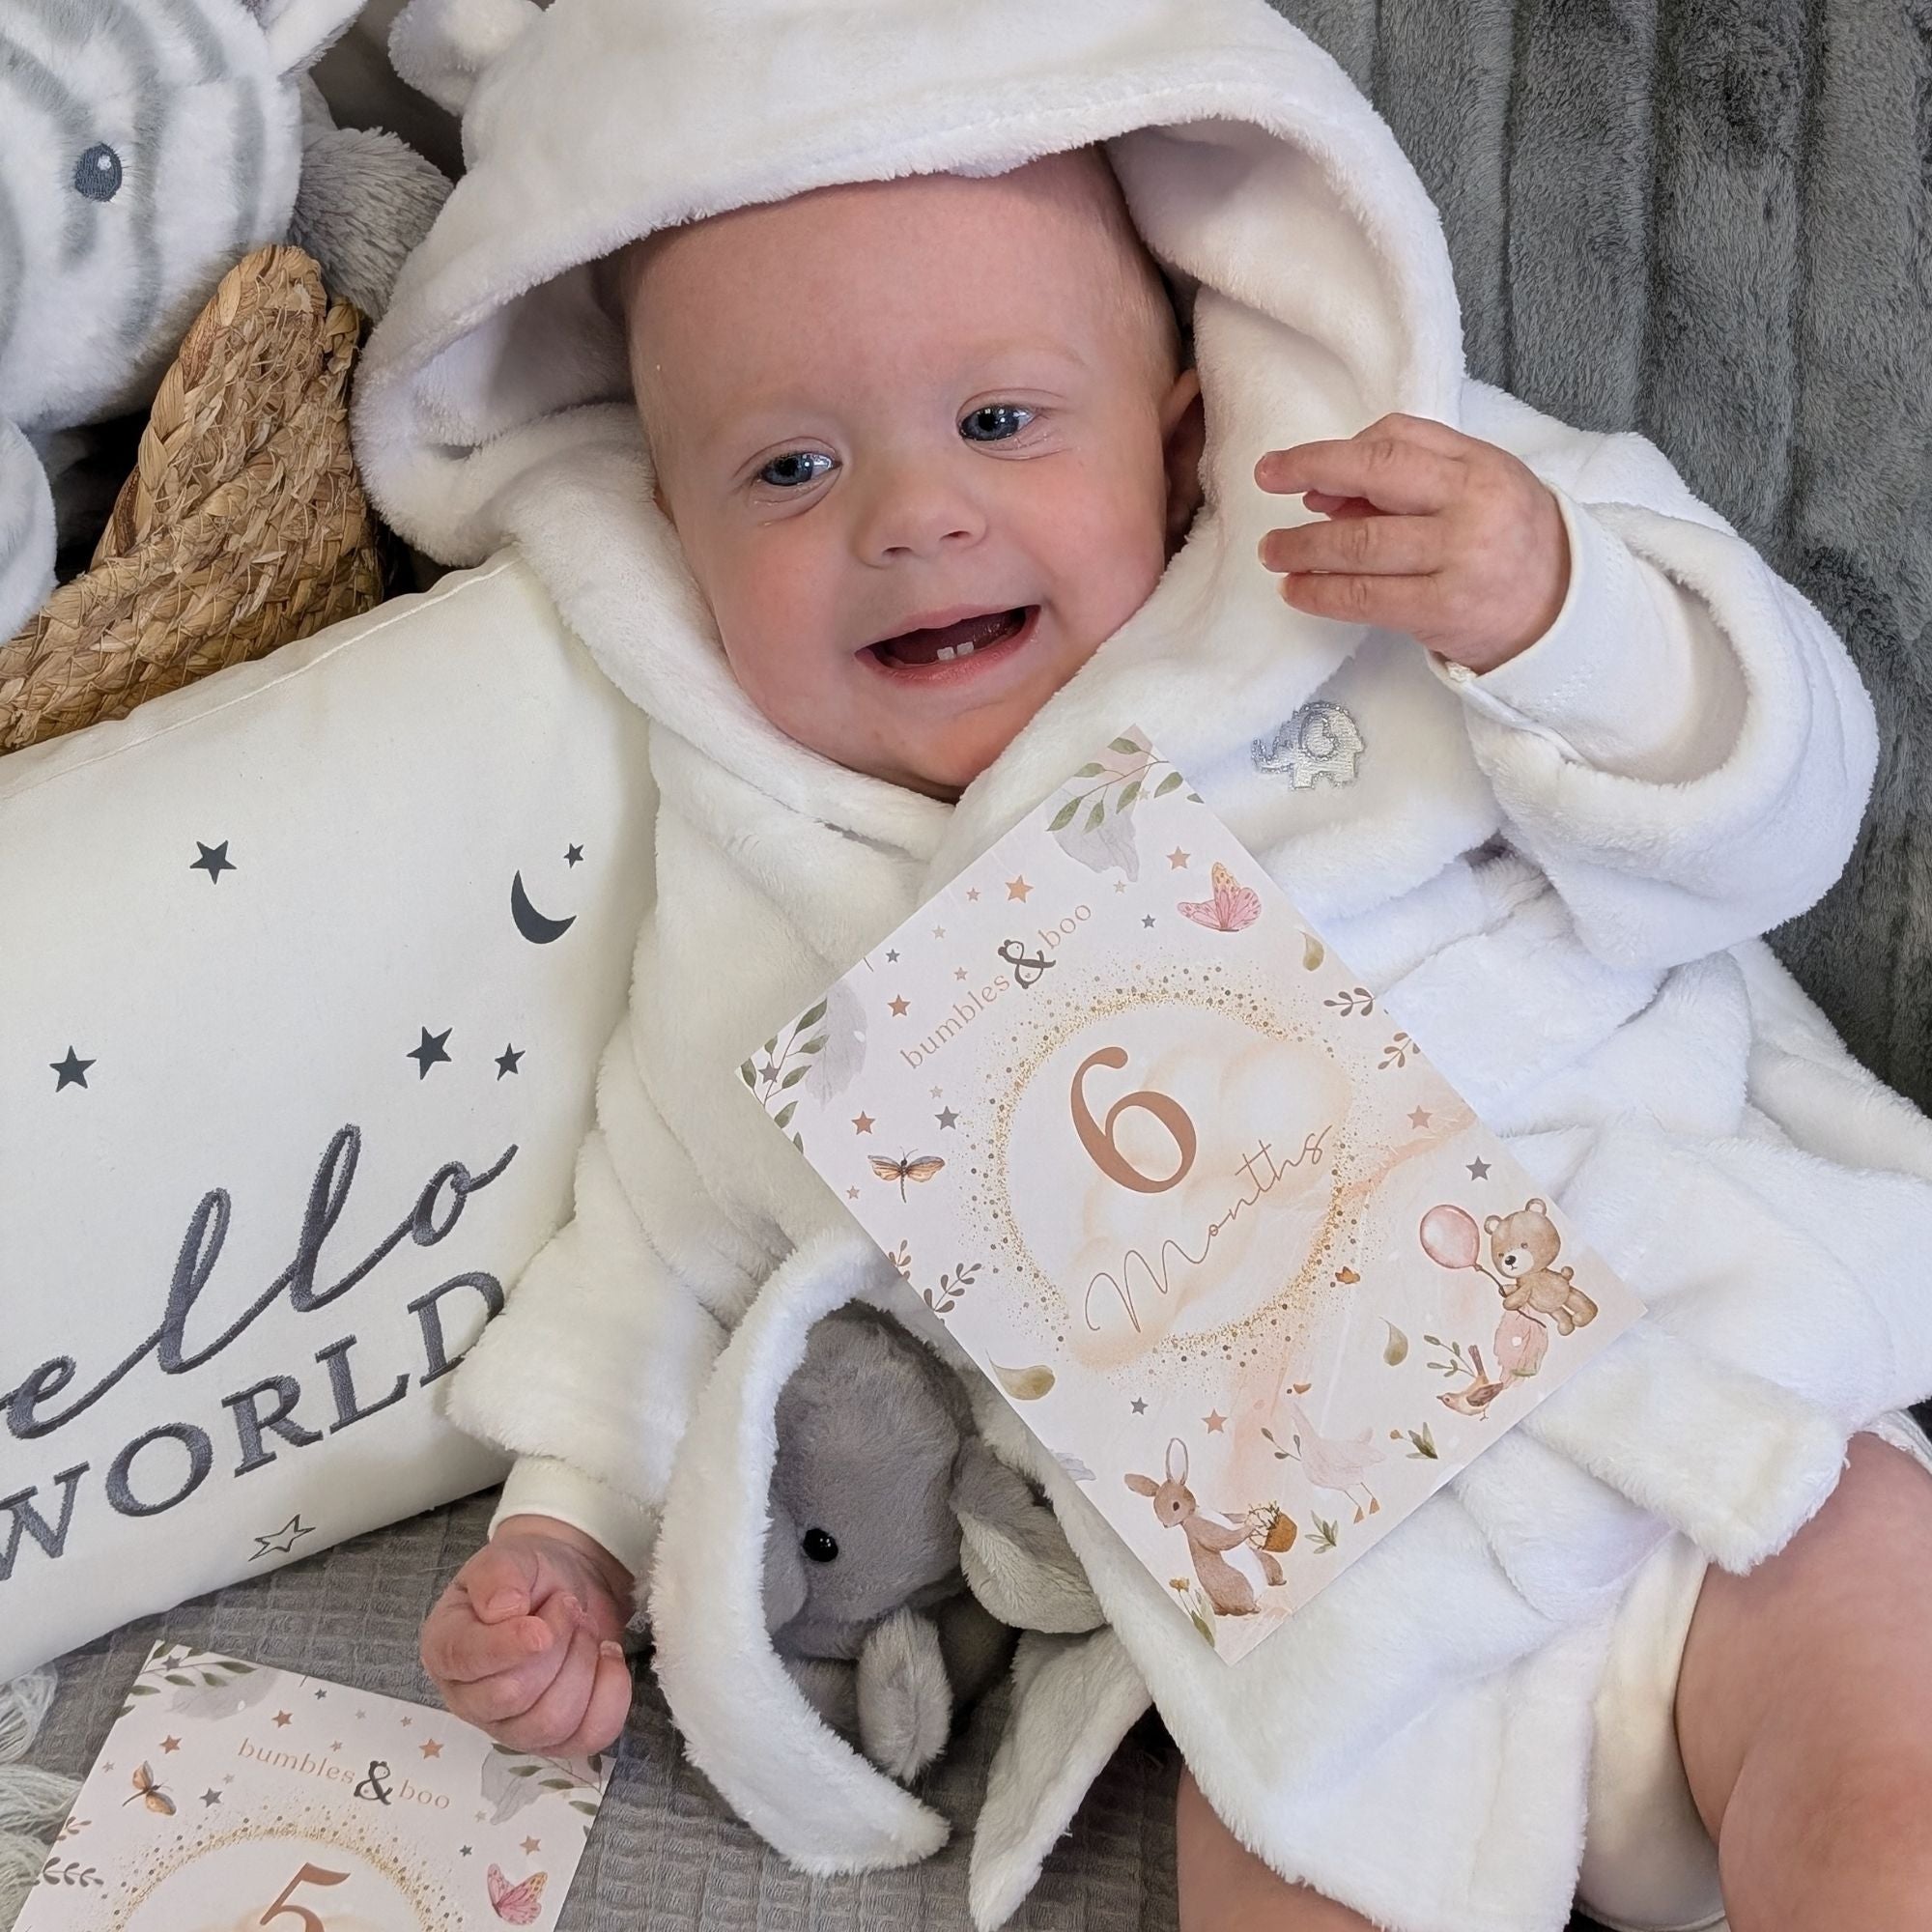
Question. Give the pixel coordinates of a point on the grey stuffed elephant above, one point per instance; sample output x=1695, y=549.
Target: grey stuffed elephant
x=901, y=1556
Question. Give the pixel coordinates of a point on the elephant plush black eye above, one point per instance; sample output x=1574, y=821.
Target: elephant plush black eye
x=820, y=1545
x=97, y=173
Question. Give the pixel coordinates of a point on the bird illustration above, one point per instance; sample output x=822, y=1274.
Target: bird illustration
x=1333, y=1462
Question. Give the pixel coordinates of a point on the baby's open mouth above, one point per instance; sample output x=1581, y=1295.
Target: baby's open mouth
x=970, y=636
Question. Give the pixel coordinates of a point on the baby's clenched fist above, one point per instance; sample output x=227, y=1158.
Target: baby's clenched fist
x=525, y=1641
x=1430, y=532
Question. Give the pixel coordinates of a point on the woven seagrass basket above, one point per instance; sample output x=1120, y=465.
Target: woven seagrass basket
x=242, y=527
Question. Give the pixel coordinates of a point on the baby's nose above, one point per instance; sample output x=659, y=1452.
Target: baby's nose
x=914, y=514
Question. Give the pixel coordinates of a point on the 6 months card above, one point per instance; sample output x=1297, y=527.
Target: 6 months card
x=231, y=1795
x=1188, y=1193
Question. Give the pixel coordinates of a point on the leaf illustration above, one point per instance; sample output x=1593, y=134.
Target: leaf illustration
x=1096, y=815
x=1025, y=1385
x=792, y=1078
x=785, y=1114
x=809, y=1020
x=1396, y=1351
x=1064, y=817
x=1167, y=785
x=814, y=1045
x=1126, y=745
x=1129, y=791
x=1090, y=771
x=748, y=1076
x=1425, y=1445
x=1313, y=952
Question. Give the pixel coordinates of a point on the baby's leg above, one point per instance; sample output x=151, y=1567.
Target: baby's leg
x=1805, y=1712
x=1222, y=1886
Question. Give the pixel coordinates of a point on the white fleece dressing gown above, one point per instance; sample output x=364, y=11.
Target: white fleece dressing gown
x=1555, y=875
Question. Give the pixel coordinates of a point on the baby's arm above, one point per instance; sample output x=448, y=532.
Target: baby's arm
x=1686, y=748
x=587, y=1377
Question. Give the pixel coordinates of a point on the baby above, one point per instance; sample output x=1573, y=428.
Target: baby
x=926, y=444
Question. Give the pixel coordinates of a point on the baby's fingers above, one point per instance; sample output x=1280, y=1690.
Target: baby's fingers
x=1391, y=472
x=556, y=1717
x=610, y=1704
x=1411, y=604
x=1371, y=545
x=459, y=1649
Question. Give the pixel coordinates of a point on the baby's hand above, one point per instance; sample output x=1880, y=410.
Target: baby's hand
x=523, y=1642
x=1430, y=532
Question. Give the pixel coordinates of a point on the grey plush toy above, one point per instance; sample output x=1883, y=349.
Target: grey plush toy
x=146, y=146
x=901, y=1554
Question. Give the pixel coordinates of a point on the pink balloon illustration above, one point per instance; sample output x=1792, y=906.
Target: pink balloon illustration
x=1450, y=1237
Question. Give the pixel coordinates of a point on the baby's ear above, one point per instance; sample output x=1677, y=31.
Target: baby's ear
x=300, y=32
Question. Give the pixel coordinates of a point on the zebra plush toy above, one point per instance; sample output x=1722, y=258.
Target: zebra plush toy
x=146, y=146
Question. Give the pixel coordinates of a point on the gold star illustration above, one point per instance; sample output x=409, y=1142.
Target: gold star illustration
x=430, y=1748
x=1420, y=1118
x=1018, y=889
x=532, y=1846
x=898, y=1008
x=1215, y=1421
x=1178, y=859
x=939, y=1092
x=170, y=1745
x=283, y=1719
x=862, y=1123
x=1120, y=884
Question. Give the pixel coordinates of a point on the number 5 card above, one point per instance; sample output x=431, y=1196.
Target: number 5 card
x=231, y=1795
x=1188, y=1192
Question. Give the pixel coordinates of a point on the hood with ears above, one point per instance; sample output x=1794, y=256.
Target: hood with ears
x=1269, y=191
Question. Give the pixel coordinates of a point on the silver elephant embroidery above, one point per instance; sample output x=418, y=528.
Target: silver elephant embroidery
x=1320, y=741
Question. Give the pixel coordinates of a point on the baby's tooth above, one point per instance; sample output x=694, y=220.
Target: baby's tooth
x=943, y=654
x=966, y=650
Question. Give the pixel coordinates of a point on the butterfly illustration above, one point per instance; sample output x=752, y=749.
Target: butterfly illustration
x=907, y=1169
x=151, y=1793
x=516, y=1904
x=1234, y=908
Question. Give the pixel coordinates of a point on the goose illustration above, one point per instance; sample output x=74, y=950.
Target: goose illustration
x=1335, y=1463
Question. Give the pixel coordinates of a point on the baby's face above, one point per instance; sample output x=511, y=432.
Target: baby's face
x=926, y=443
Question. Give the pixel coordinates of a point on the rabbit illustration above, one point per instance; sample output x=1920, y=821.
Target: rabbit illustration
x=1232, y=1569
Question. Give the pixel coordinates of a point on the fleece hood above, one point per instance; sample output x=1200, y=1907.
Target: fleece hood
x=1276, y=201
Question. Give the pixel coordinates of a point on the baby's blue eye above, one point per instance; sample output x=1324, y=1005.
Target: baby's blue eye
x=792, y=457
x=998, y=410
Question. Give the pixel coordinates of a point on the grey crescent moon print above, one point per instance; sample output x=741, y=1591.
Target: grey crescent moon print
x=532, y=924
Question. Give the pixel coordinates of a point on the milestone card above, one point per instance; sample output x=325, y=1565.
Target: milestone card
x=229, y=1795
x=1188, y=1193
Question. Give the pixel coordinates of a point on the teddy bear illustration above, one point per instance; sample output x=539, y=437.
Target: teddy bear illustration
x=1523, y=1245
